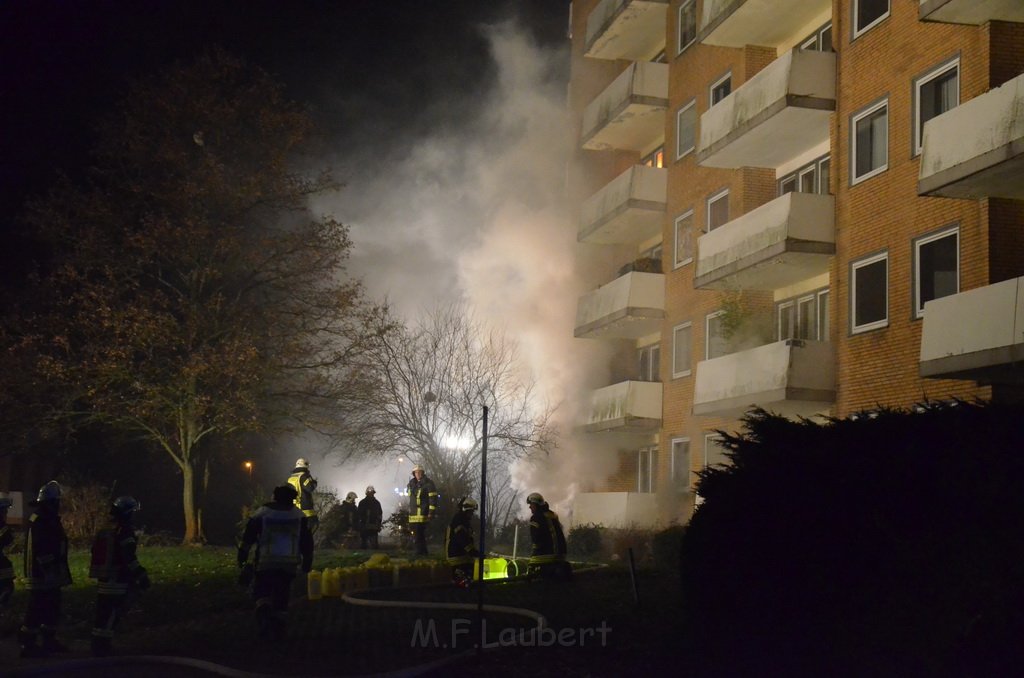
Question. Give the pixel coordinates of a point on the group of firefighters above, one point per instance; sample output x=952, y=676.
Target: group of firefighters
x=281, y=530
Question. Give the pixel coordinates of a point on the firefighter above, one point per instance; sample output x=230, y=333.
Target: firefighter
x=46, y=572
x=459, y=542
x=305, y=487
x=117, y=571
x=422, y=506
x=284, y=543
x=371, y=518
x=349, y=529
x=547, y=559
x=6, y=567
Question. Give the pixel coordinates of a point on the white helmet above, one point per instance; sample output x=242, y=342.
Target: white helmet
x=301, y=462
x=49, y=491
x=417, y=467
x=469, y=504
x=370, y=490
x=351, y=496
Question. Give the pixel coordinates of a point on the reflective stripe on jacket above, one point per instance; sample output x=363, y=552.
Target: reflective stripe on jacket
x=305, y=486
x=422, y=499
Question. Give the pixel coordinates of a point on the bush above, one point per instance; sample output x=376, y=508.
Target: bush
x=667, y=547
x=584, y=541
x=85, y=509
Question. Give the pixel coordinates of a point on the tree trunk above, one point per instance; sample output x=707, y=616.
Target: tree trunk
x=193, y=532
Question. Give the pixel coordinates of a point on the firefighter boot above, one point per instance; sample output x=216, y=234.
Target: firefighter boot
x=264, y=620
x=50, y=642
x=27, y=641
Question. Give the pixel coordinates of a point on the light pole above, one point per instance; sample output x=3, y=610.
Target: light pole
x=248, y=467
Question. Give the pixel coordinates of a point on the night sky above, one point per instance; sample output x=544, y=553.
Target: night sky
x=376, y=73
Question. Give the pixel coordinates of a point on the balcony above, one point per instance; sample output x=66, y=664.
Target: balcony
x=628, y=210
x=615, y=509
x=974, y=12
x=791, y=378
x=976, y=335
x=630, y=113
x=976, y=150
x=789, y=239
x=770, y=23
x=633, y=30
x=626, y=407
x=629, y=307
x=775, y=116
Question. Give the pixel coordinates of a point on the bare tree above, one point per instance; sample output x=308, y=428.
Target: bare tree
x=431, y=383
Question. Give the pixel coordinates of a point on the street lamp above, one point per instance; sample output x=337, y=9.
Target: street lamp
x=248, y=467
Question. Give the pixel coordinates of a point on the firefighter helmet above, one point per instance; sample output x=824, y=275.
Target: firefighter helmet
x=535, y=498
x=468, y=504
x=351, y=496
x=419, y=468
x=285, y=494
x=370, y=490
x=302, y=462
x=49, y=492
x=123, y=506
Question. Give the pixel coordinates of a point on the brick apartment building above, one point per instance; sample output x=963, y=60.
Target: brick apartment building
x=814, y=206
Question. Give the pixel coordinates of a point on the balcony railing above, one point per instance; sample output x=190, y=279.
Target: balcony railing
x=626, y=407
x=629, y=307
x=976, y=335
x=789, y=239
x=630, y=113
x=976, y=150
x=789, y=377
x=633, y=30
x=974, y=12
x=780, y=113
x=737, y=23
x=628, y=210
x=615, y=509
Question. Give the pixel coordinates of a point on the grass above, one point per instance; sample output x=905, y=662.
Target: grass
x=195, y=609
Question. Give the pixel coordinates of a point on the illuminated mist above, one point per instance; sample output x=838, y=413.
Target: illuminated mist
x=476, y=213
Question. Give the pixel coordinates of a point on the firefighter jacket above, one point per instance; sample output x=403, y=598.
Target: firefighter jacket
x=282, y=538
x=371, y=515
x=46, y=551
x=113, y=563
x=349, y=516
x=422, y=499
x=6, y=539
x=548, y=538
x=458, y=540
x=305, y=486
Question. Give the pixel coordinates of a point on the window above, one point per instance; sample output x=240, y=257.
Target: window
x=680, y=464
x=811, y=178
x=686, y=129
x=720, y=89
x=718, y=210
x=936, y=267
x=801, y=318
x=684, y=239
x=715, y=343
x=687, y=24
x=682, y=341
x=867, y=13
x=786, y=315
x=934, y=93
x=806, y=318
x=869, y=289
x=823, y=319
x=649, y=363
x=647, y=470
x=819, y=41
x=714, y=451
x=870, y=140
x=656, y=158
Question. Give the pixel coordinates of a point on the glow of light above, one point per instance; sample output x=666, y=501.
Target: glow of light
x=461, y=443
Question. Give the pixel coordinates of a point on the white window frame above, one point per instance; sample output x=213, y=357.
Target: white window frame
x=822, y=311
x=707, y=334
x=934, y=74
x=693, y=141
x=854, y=120
x=823, y=183
x=676, y=373
x=947, y=232
x=790, y=329
x=679, y=25
x=710, y=438
x=648, y=485
x=802, y=319
x=854, y=267
x=653, y=353
x=717, y=83
x=676, y=261
x=680, y=477
x=856, y=10
x=723, y=194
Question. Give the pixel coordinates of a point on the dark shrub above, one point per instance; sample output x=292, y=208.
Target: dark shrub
x=667, y=547
x=584, y=541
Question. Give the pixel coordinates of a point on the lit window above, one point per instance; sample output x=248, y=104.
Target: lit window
x=720, y=89
x=686, y=129
x=681, y=464
x=682, y=342
x=718, y=210
x=935, y=93
x=869, y=289
x=870, y=153
x=936, y=267
x=687, y=24
x=654, y=159
x=684, y=239
x=868, y=13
